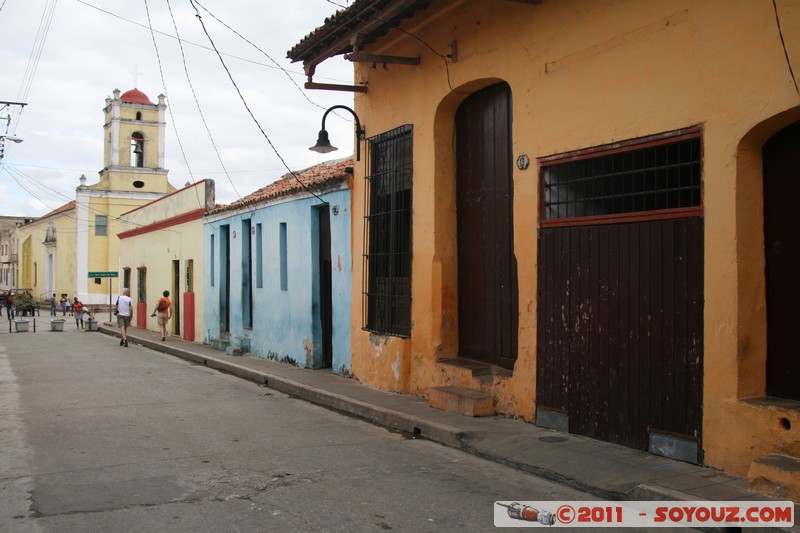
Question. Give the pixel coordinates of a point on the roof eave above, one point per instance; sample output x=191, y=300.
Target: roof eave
x=348, y=30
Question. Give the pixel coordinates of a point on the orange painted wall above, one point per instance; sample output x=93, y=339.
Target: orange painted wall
x=583, y=74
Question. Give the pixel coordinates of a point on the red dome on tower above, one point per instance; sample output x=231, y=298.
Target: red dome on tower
x=135, y=96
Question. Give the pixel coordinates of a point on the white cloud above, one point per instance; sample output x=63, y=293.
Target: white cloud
x=89, y=53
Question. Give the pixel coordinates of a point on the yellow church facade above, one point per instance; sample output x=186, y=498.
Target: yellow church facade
x=85, y=239
x=46, y=254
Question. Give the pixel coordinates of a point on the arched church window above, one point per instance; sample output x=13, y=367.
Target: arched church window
x=138, y=115
x=137, y=150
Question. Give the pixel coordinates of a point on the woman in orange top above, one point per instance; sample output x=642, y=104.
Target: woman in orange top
x=77, y=310
x=163, y=311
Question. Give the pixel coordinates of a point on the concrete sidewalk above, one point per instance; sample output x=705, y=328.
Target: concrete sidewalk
x=607, y=470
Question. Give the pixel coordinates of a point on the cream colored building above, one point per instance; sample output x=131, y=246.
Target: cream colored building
x=45, y=251
x=58, y=252
x=8, y=250
x=161, y=248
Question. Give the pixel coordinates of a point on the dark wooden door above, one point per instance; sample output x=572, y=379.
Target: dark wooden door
x=620, y=328
x=487, y=268
x=325, y=286
x=176, y=298
x=782, y=250
x=224, y=278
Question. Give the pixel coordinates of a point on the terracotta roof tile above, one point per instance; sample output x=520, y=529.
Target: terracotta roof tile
x=57, y=211
x=316, y=178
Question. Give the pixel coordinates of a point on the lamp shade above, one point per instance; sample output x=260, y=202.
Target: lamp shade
x=323, y=145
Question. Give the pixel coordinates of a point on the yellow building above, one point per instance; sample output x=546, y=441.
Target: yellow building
x=59, y=252
x=161, y=248
x=8, y=250
x=46, y=248
x=564, y=209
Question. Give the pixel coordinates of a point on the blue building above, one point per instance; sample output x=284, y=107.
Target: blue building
x=279, y=270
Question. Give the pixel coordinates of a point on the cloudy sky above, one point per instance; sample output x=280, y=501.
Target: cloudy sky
x=64, y=57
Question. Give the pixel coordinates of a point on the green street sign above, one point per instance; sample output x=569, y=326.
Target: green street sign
x=103, y=274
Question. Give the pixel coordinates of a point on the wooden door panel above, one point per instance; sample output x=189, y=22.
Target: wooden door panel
x=620, y=328
x=487, y=274
x=782, y=252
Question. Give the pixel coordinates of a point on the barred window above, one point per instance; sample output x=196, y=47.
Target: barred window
x=637, y=178
x=141, y=284
x=386, y=285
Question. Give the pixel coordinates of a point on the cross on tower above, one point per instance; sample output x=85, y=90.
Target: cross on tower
x=136, y=73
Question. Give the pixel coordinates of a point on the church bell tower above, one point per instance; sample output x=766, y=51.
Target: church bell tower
x=134, y=142
x=133, y=175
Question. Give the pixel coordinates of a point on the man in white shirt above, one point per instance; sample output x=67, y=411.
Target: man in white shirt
x=124, y=315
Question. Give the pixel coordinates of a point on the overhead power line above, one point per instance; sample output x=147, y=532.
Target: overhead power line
x=34, y=57
x=192, y=43
x=249, y=111
x=199, y=108
x=263, y=52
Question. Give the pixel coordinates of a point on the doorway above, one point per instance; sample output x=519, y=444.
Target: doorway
x=487, y=267
x=620, y=294
x=225, y=279
x=176, y=297
x=781, y=158
x=325, y=286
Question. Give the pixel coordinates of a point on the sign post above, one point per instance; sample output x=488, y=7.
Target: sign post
x=106, y=274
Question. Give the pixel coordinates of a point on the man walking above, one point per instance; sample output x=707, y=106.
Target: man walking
x=124, y=315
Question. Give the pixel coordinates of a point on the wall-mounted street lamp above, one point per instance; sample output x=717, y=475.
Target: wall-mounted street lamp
x=324, y=146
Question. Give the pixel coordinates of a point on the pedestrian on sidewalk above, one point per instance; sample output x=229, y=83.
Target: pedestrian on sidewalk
x=10, y=304
x=64, y=304
x=163, y=311
x=77, y=309
x=53, y=305
x=124, y=314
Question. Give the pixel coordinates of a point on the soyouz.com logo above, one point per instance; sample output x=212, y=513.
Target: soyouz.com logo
x=643, y=514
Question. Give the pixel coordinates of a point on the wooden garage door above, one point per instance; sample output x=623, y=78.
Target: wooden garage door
x=620, y=293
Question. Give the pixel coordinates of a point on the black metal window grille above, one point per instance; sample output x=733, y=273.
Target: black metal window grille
x=141, y=285
x=386, y=283
x=659, y=176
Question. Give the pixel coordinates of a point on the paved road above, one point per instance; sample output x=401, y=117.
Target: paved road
x=96, y=437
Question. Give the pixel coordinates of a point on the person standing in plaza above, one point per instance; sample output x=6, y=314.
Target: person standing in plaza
x=77, y=309
x=124, y=314
x=53, y=305
x=163, y=311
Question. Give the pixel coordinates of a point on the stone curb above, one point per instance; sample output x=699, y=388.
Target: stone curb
x=412, y=425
